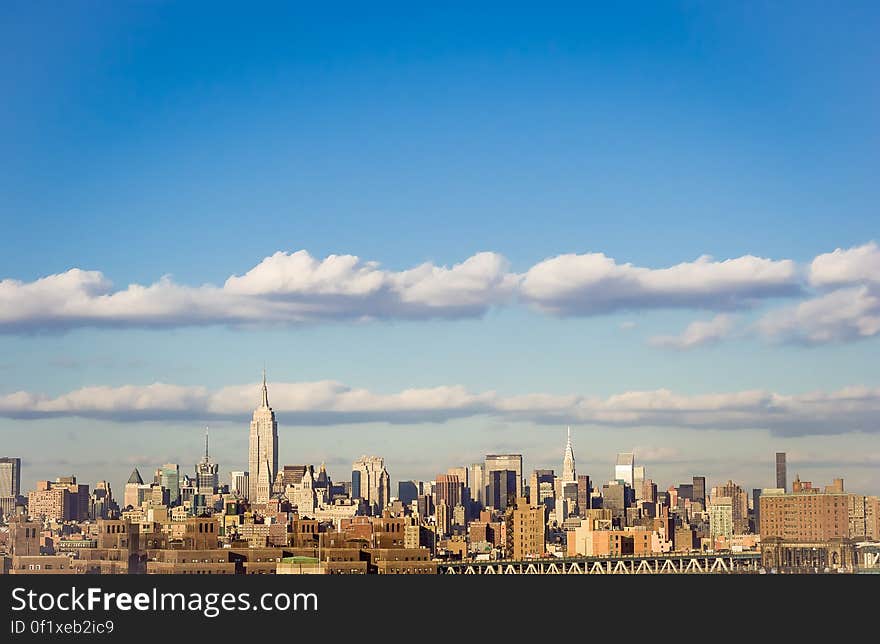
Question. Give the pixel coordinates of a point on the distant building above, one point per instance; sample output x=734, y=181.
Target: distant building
x=239, y=483
x=740, y=504
x=623, y=469
x=262, y=450
x=806, y=515
x=478, y=483
x=569, y=475
x=583, y=491
x=448, y=489
x=501, y=489
x=207, y=473
x=542, y=488
x=10, y=476
x=61, y=500
x=132, y=493
x=512, y=462
x=370, y=481
x=721, y=518
x=699, y=490
x=528, y=530
x=407, y=491
x=169, y=478
x=781, y=479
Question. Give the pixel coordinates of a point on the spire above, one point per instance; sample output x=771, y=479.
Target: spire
x=206, y=444
x=265, y=390
x=568, y=471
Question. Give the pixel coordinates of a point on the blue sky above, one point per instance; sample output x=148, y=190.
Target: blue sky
x=195, y=140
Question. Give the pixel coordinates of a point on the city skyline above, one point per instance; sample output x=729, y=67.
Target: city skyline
x=445, y=234
x=264, y=421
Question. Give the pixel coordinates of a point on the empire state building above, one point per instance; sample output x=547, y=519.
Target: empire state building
x=263, y=450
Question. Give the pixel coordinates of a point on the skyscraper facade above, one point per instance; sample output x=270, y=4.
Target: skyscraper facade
x=700, y=489
x=207, y=478
x=238, y=483
x=478, y=483
x=262, y=450
x=370, y=481
x=10, y=476
x=568, y=470
x=499, y=462
x=781, y=478
x=169, y=478
x=623, y=470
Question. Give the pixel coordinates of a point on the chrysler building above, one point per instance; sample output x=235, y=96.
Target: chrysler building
x=263, y=450
x=568, y=472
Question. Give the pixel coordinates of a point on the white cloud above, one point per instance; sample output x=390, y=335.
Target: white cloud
x=329, y=402
x=697, y=333
x=843, y=315
x=283, y=288
x=569, y=285
x=857, y=265
x=296, y=288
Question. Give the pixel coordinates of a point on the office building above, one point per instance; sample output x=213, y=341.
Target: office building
x=408, y=491
x=623, y=469
x=448, y=490
x=10, y=476
x=512, y=462
x=238, y=483
x=169, y=478
x=370, y=481
x=501, y=489
x=781, y=478
x=207, y=473
x=699, y=490
x=262, y=450
x=478, y=483
x=583, y=491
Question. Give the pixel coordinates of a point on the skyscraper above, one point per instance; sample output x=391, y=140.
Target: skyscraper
x=568, y=471
x=370, y=481
x=10, y=476
x=448, y=489
x=700, y=489
x=781, y=477
x=206, y=472
x=499, y=462
x=132, y=489
x=478, y=483
x=238, y=483
x=263, y=450
x=623, y=470
x=169, y=478
x=501, y=489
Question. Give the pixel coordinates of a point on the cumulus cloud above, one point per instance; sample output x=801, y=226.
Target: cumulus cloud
x=297, y=288
x=847, y=310
x=570, y=285
x=855, y=409
x=842, y=315
x=697, y=333
x=291, y=288
x=283, y=288
x=857, y=265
